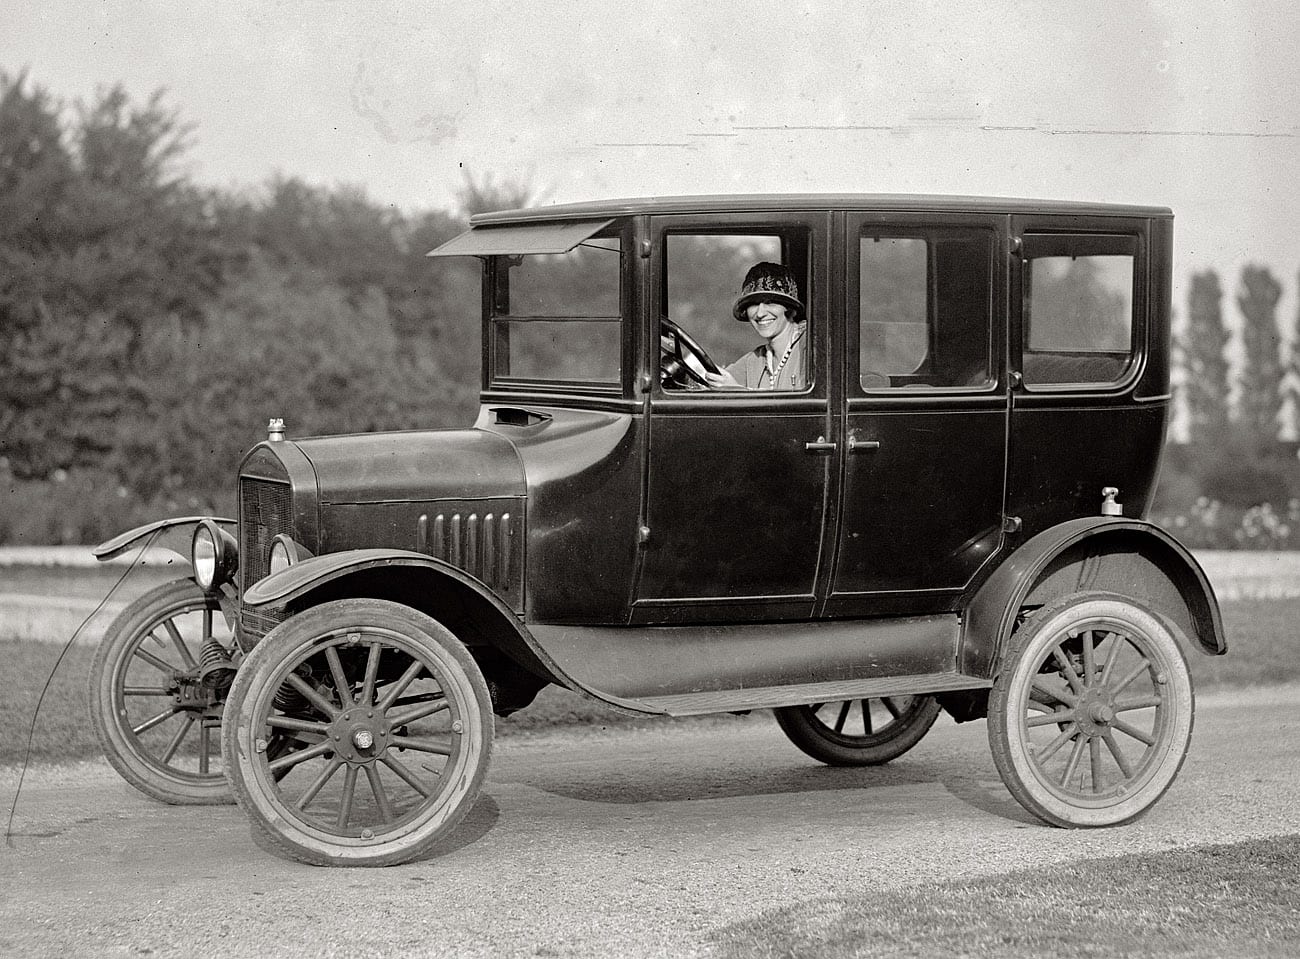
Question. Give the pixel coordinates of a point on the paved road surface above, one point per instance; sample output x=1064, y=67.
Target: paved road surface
x=632, y=843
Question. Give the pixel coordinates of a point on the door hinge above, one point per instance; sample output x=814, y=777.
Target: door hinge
x=1011, y=524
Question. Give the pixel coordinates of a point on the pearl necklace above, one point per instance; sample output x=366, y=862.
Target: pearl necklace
x=776, y=374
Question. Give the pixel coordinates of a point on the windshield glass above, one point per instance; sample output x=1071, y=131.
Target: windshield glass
x=557, y=317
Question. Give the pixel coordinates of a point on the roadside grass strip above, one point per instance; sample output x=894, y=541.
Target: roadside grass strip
x=1208, y=901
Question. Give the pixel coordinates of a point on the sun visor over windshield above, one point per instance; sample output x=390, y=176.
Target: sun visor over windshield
x=521, y=238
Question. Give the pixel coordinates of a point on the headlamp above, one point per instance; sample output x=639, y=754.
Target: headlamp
x=215, y=555
x=284, y=553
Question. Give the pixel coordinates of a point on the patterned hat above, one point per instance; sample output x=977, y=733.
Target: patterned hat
x=768, y=282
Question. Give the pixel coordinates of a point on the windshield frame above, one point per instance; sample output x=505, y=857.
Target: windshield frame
x=497, y=320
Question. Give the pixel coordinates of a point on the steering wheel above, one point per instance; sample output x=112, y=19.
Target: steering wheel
x=682, y=361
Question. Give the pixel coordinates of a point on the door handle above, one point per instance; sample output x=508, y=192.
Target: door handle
x=862, y=446
x=821, y=445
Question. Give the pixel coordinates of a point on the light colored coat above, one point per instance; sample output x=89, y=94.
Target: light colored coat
x=751, y=370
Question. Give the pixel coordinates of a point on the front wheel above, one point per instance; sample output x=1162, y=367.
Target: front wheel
x=155, y=715
x=1091, y=716
x=859, y=732
x=392, y=724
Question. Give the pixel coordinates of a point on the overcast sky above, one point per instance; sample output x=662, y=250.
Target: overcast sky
x=1193, y=104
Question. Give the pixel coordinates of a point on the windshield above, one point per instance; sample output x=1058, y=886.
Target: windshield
x=556, y=318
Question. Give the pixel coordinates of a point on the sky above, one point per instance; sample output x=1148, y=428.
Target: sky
x=1191, y=104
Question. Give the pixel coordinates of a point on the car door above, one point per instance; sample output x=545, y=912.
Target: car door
x=737, y=481
x=1092, y=397
x=923, y=441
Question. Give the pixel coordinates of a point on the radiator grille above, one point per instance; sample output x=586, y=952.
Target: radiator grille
x=256, y=623
x=265, y=511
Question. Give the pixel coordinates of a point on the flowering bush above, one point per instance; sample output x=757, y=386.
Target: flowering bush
x=1209, y=524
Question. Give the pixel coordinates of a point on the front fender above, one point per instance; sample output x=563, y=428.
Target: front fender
x=301, y=578
x=163, y=532
x=1126, y=556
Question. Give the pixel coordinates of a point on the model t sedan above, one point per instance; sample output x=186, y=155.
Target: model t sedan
x=855, y=459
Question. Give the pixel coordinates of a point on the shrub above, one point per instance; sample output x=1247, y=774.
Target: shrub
x=85, y=506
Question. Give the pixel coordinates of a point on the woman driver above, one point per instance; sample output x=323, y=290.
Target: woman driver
x=769, y=299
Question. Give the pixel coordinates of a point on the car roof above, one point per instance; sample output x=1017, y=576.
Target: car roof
x=786, y=202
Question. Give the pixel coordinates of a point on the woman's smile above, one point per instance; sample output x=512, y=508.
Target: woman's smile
x=768, y=319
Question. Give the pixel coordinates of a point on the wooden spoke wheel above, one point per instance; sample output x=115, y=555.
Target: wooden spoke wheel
x=1091, y=716
x=859, y=732
x=156, y=717
x=392, y=724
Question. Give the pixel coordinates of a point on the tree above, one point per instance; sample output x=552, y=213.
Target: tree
x=35, y=165
x=275, y=344
x=1203, y=345
x=339, y=234
x=1261, y=377
x=99, y=242
x=486, y=194
x=1291, y=380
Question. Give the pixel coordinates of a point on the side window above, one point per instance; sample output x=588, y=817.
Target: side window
x=925, y=317
x=704, y=275
x=1078, y=309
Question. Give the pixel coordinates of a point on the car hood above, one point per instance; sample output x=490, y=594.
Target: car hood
x=413, y=466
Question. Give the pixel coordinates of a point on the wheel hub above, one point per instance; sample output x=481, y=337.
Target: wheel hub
x=1096, y=711
x=190, y=693
x=1101, y=714
x=360, y=736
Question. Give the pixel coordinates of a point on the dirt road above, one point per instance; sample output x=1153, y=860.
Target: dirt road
x=618, y=843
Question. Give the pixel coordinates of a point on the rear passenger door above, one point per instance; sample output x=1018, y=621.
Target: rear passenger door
x=1078, y=349
x=923, y=441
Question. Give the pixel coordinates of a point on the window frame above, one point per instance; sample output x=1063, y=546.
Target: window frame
x=497, y=320
x=927, y=229
x=1108, y=240
x=810, y=227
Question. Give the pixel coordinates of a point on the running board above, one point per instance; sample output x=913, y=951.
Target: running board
x=767, y=697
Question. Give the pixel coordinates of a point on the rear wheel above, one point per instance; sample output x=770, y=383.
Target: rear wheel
x=1091, y=716
x=393, y=734
x=157, y=720
x=859, y=732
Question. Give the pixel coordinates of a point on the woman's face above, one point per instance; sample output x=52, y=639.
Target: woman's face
x=767, y=319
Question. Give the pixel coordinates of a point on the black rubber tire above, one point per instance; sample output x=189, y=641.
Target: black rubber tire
x=271, y=796
x=910, y=718
x=1038, y=706
x=142, y=759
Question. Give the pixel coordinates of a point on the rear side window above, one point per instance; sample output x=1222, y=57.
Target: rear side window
x=924, y=309
x=1078, y=316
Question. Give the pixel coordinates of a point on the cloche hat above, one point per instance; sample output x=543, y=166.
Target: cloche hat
x=770, y=282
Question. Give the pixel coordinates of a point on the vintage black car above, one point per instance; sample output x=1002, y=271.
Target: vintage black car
x=942, y=509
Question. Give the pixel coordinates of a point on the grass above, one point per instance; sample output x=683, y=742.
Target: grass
x=1261, y=637
x=1206, y=901
x=1262, y=646
x=64, y=732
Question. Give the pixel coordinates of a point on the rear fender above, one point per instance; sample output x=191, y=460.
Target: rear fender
x=1126, y=556
x=165, y=533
